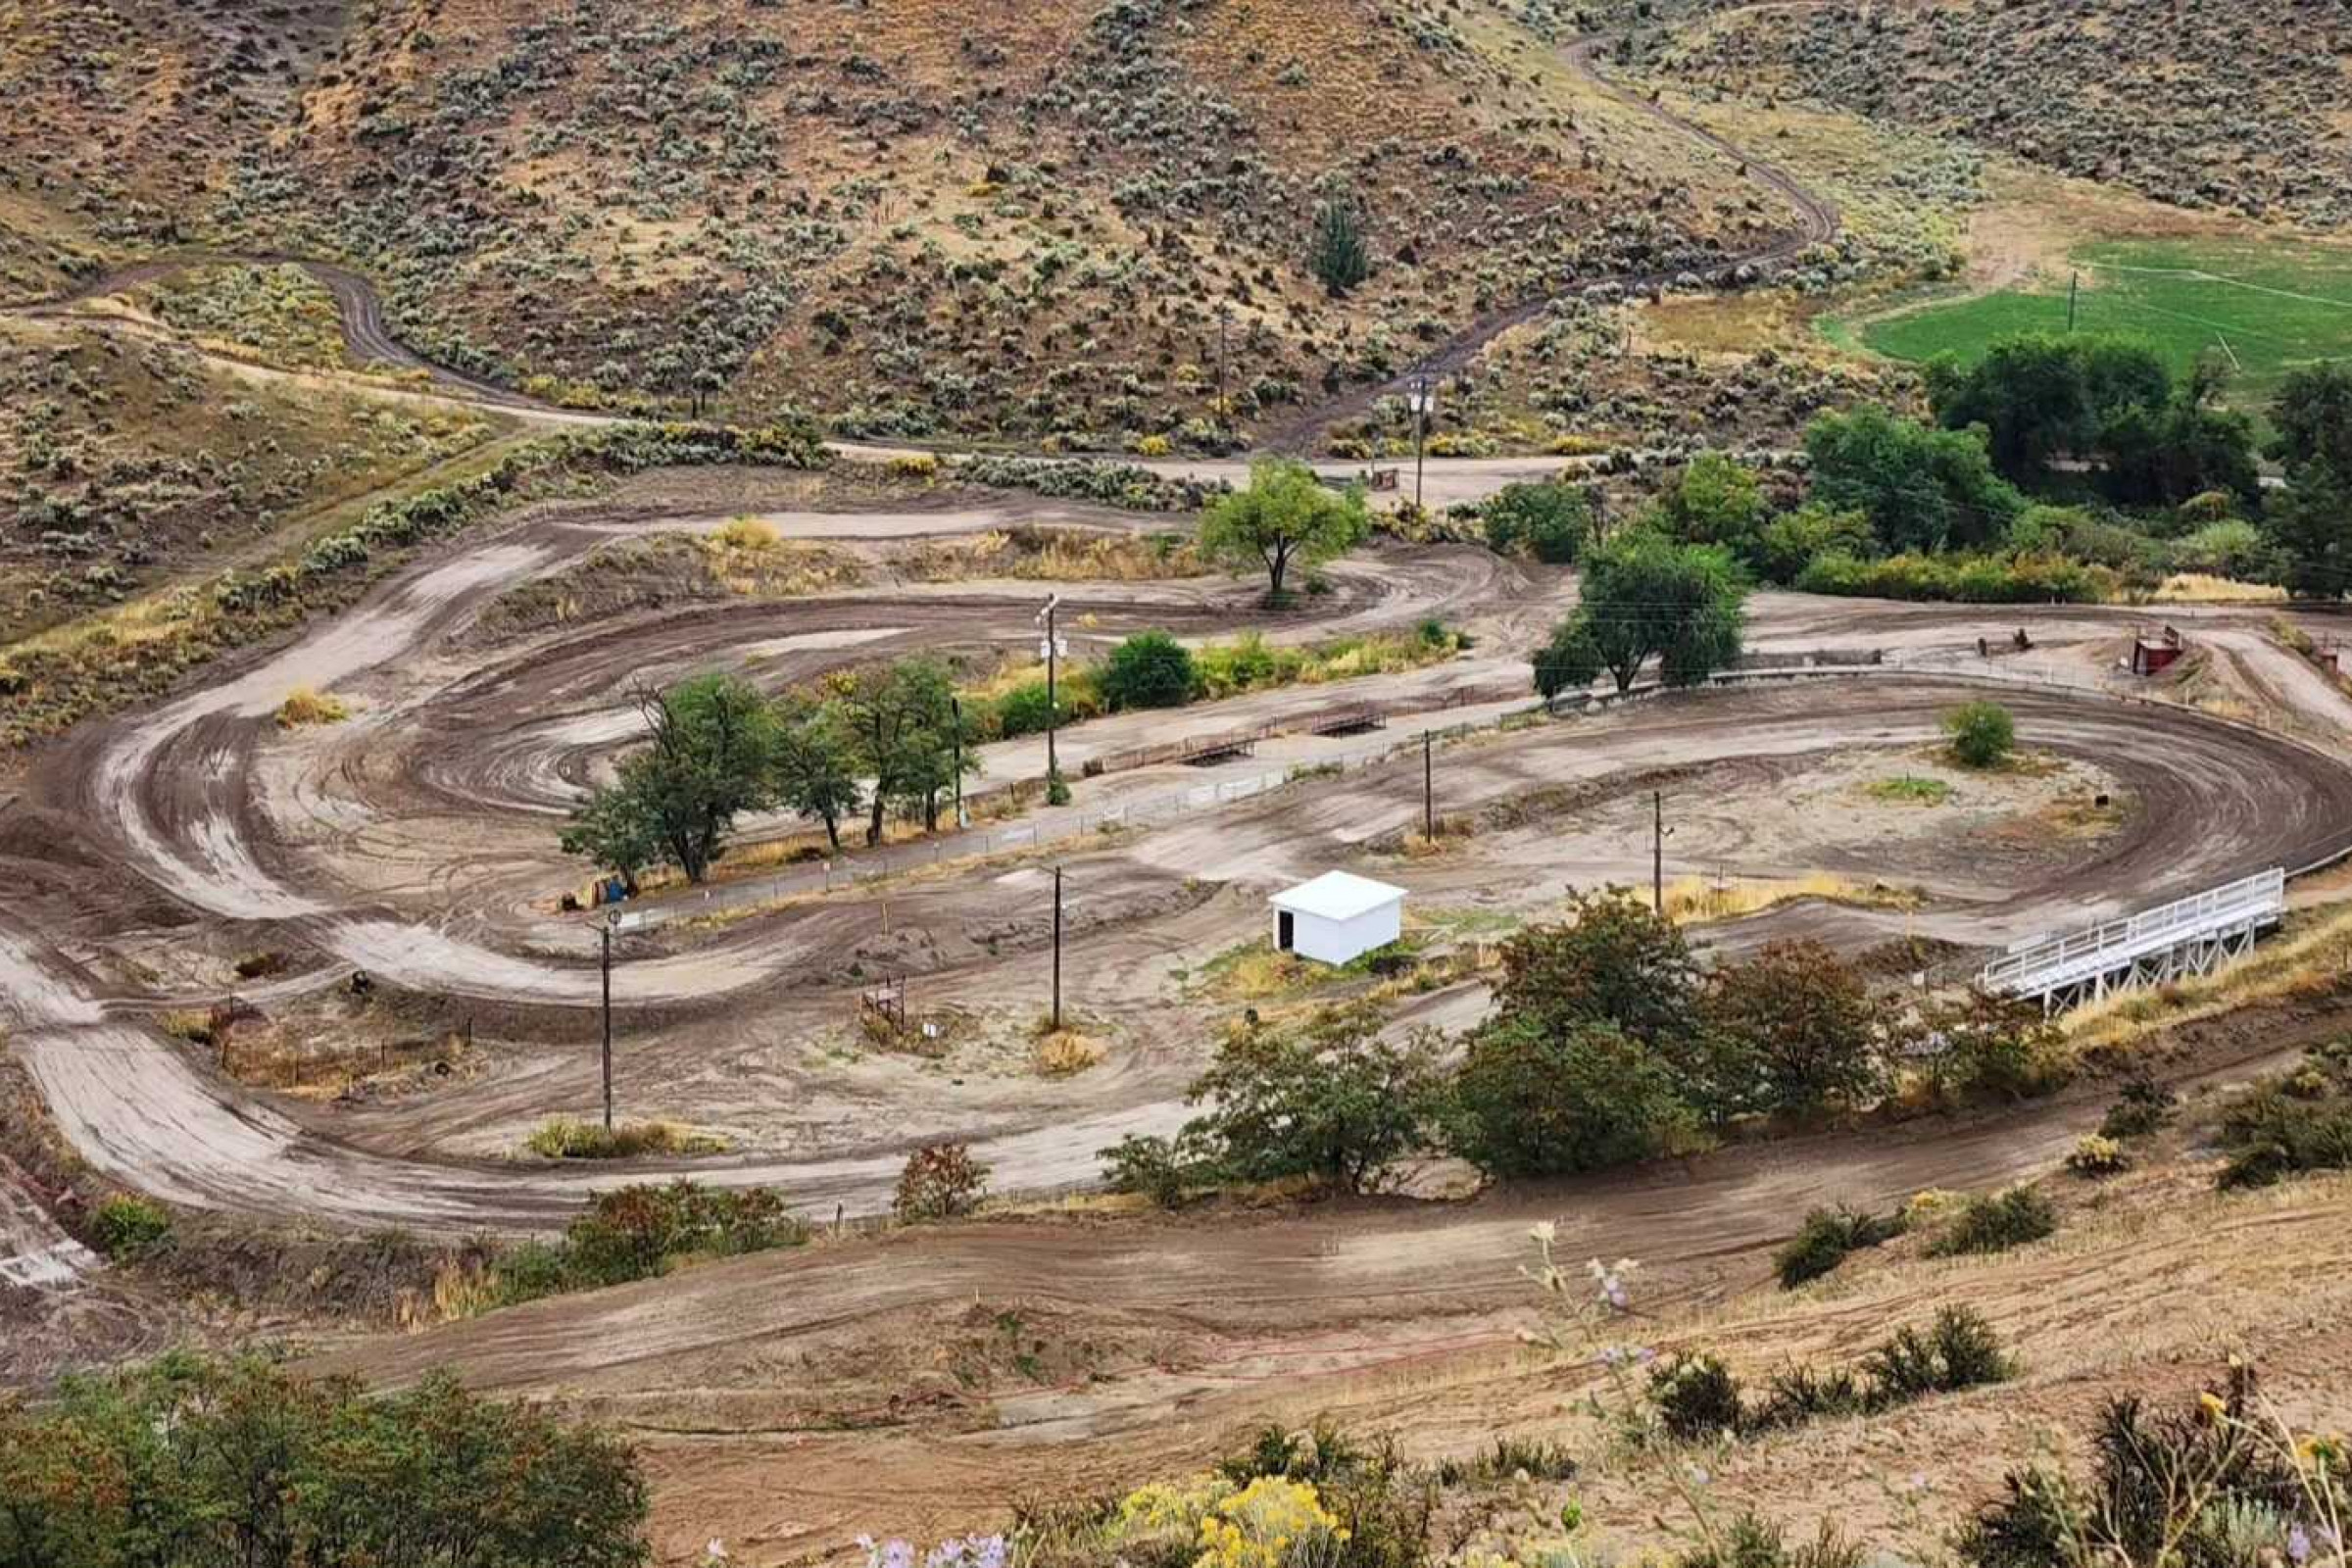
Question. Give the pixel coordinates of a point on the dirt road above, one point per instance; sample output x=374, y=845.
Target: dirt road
x=1816, y=223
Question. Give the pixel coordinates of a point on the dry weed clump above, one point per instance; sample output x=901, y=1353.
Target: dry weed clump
x=747, y=533
x=1066, y=1052
x=564, y=1138
x=2200, y=588
x=306, y=704
x=1030, y=552
x=1699, y=897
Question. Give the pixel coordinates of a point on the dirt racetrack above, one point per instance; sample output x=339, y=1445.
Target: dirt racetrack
x=414, y=842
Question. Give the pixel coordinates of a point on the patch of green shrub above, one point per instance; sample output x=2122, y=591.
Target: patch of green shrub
x=1824, y=1239
x=1981, y=734
x=1962, y=579
x=1151, y=669
x=1697, y=1399
x=190, y=1462
x=2141, y=1108
x=940, y=1181
x=127, y=1226
x=1751, y=1541
x=1996, y=1223
x=2213, y=1485
x=2287, y=1125
x=639, y=1230
x=1548, y=519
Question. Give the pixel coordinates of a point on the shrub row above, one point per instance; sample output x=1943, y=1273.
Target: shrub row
x=2025, y=579
x=637, y=1232
x=1697, y=1397
x=1111, y=484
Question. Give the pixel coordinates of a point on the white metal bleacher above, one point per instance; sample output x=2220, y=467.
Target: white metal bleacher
x=2188, y=936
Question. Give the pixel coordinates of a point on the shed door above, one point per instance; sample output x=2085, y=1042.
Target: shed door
x=1282, y=929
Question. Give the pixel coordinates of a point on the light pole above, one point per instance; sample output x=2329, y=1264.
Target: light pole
x=610, y=925
x=1052, y=649
x=955, y=707
x=1057, y=949
x=1420, y=432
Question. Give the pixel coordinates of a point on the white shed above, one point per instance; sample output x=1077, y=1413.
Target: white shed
x=1337, y=917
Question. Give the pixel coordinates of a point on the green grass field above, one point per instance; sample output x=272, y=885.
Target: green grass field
x=2274, y=304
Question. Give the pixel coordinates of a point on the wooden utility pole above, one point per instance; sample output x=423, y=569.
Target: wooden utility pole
x=1429, y=794
x=606, y=932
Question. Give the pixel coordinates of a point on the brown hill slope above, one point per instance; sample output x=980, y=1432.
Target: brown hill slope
x=2229, y=104
x=1017, y=216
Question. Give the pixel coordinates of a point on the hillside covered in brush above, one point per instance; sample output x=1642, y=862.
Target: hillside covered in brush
x=1028, y=219
x=2233, y=105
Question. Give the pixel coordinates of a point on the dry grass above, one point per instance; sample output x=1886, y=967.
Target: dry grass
x=2197, y=588
x=1696, y=898
x=1051, y=554
x=564, y=1138
x=306, y=704
x=2312, y=958
x=1066, y=1052
x=1256, y=972
x=747, y=533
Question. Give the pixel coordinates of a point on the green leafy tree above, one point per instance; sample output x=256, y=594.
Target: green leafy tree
x=816, y=765
x=1806, y=1019
x=1339, y=255
x=2313, y=415
x=1981, y=734
x=1613, y=960
x=1286, y=517
x=2311, y=526
x=710, y=755
x=1548, y=519
x=1151, y=669
x=1790, y=542
x=1330, y=1099
x=1921, y=488
x=1715, y=501
x=2027, y=394
x=1533, y=1101
x=1643, y=597
x=2182, y=446
x=188, y=1461
x=901, y=726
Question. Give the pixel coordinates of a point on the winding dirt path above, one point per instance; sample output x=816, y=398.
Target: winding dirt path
x=1817, y=223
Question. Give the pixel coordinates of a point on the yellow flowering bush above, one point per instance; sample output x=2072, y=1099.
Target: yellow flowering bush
x=1263, y=1523
x=1166, y=1507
